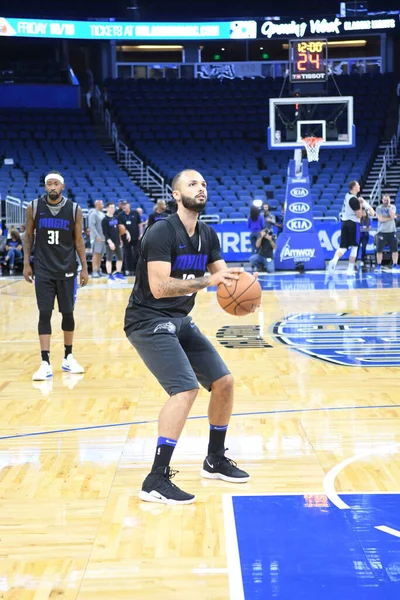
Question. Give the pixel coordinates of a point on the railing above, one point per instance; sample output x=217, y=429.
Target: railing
x=389, y=156
x=155, y=180
x=15, y=212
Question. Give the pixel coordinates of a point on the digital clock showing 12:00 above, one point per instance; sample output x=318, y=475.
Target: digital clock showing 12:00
x=308, y=60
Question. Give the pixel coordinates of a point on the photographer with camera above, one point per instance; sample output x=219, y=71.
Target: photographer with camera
x=265, y=256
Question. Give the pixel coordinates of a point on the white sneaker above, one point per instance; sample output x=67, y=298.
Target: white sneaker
x=44, y=372
x=71, y=365
x=350, y=272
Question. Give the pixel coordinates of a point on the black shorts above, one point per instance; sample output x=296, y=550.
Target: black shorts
x=62, y=289
x=178, y=354
x=350, y=234
x=386, y=239
x=110, y=253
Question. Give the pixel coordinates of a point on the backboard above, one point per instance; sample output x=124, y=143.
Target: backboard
x=326, y=117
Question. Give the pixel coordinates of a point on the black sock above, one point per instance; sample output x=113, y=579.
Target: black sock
x=165, y=449
x=68, y=350
x=216, y=445
x=46, y=355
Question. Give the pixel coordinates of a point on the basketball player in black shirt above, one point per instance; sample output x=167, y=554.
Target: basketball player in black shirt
x=174, y=255
x=55, y=224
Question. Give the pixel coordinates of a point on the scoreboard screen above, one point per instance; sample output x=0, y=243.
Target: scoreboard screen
x=308, y=60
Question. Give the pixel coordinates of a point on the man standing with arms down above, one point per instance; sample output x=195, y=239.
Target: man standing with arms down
x=97, y=237
x=386, y=235
x=57, y=223
x=131, y=220
x=350, y=233
x=174, y=255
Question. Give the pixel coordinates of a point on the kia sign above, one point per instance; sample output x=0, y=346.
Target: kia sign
x=299, y=225
x=299, y=207
x=299, y=242
x=299, y=192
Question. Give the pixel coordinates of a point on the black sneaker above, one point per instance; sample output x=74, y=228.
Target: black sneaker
x=216, y=466
x=157, y=487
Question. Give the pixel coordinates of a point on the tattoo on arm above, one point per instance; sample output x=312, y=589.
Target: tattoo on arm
x=172, y=287
x=79, y=243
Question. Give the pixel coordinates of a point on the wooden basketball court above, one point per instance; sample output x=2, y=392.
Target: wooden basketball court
x=73, y=452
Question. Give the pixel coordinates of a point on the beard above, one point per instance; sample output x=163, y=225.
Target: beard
x=195, y=204
x=54, y=195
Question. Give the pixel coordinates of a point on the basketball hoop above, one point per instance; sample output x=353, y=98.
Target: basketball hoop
x=312, y=145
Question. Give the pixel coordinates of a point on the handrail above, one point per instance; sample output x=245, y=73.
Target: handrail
x=15, y=212
x=210, y=218
x=334, y=219
x=234, y=220
x=156, y=179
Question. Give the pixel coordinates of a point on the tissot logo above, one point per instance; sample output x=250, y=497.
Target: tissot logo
x=299, y=207
x=299, y=225
x=299, y=192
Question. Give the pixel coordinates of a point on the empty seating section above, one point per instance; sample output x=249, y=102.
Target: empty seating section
x=219, y=127
x=31, y=72
x=64, y=140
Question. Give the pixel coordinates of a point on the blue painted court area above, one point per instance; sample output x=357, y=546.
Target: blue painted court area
x=304, y=548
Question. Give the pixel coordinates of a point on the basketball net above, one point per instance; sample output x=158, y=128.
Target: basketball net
x=312, y=145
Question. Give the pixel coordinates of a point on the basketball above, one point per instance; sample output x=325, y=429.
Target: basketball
x=242, y=297
x=121, y=229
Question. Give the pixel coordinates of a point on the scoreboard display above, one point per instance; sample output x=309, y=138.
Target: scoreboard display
x=308, y=60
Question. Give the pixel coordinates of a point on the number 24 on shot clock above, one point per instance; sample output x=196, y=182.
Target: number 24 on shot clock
x=308, y=60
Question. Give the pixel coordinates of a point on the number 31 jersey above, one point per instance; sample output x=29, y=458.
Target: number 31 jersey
x=55, y=255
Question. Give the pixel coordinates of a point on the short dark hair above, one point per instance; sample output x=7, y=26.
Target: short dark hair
x=352, y=184
x=110, y=204
x=177, y=177
x=55, y=173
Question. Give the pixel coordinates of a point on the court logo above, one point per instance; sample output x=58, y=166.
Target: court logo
x=299, y=225
x=170, y=327
x=344, y=338
x=299, y=192
x=299, y=207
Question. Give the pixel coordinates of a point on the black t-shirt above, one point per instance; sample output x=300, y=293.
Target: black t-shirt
x=266, y=249
x=131, y=222
x=154, y=217
x=110, y=229
x=168, y=241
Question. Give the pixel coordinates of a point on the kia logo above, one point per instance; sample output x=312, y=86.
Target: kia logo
x=299, y=207
x=299, y=225
x=299, y=192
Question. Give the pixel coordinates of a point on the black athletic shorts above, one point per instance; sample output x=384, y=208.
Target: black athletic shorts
x=62, y=289
x=110, y=253
x=178, y=354
x=386, y=239
x=350, y=234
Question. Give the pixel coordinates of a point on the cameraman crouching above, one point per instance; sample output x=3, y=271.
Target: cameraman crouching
x=265, y=256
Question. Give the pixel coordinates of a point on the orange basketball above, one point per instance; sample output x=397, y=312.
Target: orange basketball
x=242, y=297
x=121, y=229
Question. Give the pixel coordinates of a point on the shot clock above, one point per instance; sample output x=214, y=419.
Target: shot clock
x=308, y=60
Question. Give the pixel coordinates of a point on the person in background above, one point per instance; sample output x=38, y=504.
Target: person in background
x=386, y=235
x=22, y=231
x=3, y=241
x=13, y=249
x=143, y=221
x=130, y=218
x=279, y=220
x=113, y=243
x=269, y=218
x=158, y=213
x=96, y=217
x=255, y=224
x=265, y=255
x=365, y=226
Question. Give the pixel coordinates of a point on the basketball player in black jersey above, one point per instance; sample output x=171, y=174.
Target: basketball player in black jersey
x=174, y=255
x=54, y=223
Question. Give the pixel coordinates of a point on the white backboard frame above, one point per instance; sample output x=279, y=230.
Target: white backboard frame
x=350, y=142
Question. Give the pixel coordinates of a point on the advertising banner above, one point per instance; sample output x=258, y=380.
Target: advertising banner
x=235, y=241
x=299, y=242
